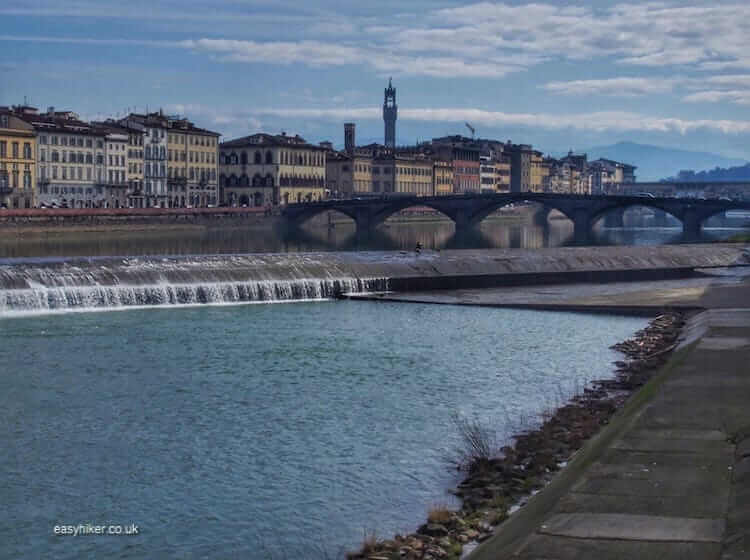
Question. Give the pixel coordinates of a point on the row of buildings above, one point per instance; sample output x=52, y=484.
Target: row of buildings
x=56, y=159
x=142, y=160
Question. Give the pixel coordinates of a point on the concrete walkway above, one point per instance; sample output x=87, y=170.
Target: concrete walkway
x=670, y=477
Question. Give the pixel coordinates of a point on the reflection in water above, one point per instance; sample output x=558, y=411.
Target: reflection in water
x=493, y=233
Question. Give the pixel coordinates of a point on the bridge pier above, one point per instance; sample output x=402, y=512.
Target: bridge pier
x=364, y=220
x=541, y=216
x=615, y=219
x=691, y=225
x=581, y=226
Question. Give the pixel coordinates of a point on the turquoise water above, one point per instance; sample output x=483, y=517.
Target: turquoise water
x=262, y=431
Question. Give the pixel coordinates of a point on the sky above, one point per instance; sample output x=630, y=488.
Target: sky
x=558, y=75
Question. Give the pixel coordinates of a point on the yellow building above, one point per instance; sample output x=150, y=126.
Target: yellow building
x=265, y=170
x=539, y=171
x=442, y=182
x=348, y=174
x=402, y=174
x=192, y=165
x=18, y=149
x=502, y=176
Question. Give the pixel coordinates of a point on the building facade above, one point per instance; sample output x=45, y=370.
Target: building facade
x=154, y=127
x=348, y=175
x=18, y=149
x=192, y=165
x=72, y=162
x=266, y=170
x=463, y=153
x=442, y=181
x=520, y=166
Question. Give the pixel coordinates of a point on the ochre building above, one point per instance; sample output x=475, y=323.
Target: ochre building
x=270, y=170
x=17, y=162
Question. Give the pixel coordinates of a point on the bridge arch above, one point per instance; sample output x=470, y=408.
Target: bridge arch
x=644, y=202
x=313, y=210
x=397, y=206
x=493, y=206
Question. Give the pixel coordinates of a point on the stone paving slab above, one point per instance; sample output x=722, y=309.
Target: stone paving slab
x=540, y=547
x=709, y=506
x=634, y=527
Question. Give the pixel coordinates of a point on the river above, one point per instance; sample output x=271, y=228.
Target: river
x=252, y=426
x=263, y=431
x=343, y=237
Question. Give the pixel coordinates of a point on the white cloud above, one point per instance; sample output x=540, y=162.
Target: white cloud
x=626, y=87
x=601, y=121
x=738, y=97
x=483, y=39
x=314, y=53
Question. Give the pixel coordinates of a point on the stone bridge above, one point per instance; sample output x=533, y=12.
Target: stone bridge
x=470, y=209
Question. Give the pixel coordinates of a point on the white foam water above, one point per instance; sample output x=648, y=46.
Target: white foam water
x=93, y=286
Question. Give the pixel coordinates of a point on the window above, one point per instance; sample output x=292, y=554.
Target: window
x=89, y=143
x=64, y=140
x=15, y=150
x=3, y=148
x=54, y=140
x=4, y=121
x=269, y=157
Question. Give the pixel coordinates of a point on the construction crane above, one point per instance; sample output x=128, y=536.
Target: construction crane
x=470, y=128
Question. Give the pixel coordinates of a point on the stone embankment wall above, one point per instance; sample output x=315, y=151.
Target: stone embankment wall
x=73, y=218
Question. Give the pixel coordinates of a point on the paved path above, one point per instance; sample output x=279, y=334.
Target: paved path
x=672, y=480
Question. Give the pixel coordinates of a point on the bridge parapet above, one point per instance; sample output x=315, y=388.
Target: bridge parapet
x=469, y=210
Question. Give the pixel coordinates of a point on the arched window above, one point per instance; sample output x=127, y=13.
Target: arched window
x=234, y=159
x=269, y=157
x=244, y=180
x=243, y=158
x=269, y=180
x=258, y=158
x=257, y=180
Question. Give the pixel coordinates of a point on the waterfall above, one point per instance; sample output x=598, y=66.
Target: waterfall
x=100, y=284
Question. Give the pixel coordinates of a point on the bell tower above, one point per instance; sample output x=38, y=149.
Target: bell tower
x=390, y=112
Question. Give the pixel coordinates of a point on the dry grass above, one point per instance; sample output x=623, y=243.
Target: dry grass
x=439, y=514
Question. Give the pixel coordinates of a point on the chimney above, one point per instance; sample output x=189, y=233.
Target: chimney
x=50, y=110
x=349, y=138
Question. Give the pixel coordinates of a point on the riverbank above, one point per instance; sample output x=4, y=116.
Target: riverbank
x=608, y=503
x=668, y=479
x=499, y=482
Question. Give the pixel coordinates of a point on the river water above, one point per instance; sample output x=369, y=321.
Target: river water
x=263, y=431
x=502, y=234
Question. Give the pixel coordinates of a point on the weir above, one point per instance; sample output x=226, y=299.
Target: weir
x=44, y=285
x=110, y=284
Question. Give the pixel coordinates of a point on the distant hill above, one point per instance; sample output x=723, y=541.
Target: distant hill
x=655, y=163
x=739, y=173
